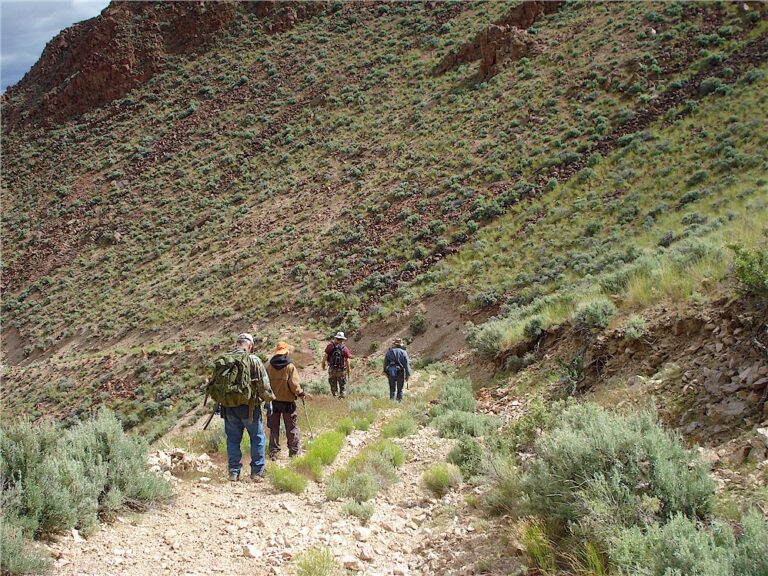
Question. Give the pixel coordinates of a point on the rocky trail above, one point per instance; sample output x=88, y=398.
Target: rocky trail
x=216, y=527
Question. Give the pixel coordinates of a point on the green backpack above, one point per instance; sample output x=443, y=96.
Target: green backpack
x=230, y=384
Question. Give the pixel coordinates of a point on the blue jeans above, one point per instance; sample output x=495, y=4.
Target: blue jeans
x=235, y=421
x=396, y=383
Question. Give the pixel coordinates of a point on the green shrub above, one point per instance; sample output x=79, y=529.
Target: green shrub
x=440, y=478
x=539, y=416
x=400, y=427
x=594, y=314
x=317, y=388
x=712, y=85
x=534, y=327
x=55, y=480
x=372, y=387
x=360, y=486
x=361, y=511
x=678, y=547
x=390, y=451
x=317, y=561
x=345, y=426
x=285, y=480
x=486, y=340
x=751, y=554
x=753, y=75
x=362, y=405
x=467, y=454
x=363, y=422
x=600, y=470
x=455, y=424
x=635, y=327
x=456, y=394
x=418, y=324
x=368, y=472
x=325, y=447
x=309, y=465
x=751, y=267
x=17, y=555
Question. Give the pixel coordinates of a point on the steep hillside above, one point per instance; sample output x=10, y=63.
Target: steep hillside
x=279, y=167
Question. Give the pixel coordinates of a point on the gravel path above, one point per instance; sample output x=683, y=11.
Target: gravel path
x=223, y=528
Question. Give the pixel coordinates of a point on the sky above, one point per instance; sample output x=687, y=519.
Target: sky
x=26, y=26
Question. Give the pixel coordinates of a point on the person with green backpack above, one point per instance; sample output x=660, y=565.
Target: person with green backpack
x=238, y=383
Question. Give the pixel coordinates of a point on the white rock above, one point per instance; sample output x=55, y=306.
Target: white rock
x=365, y=553
x=251, y=551
x=389, y=526
x=400, y=571
x=362, y=534
x=352, y=563
x=76, y=536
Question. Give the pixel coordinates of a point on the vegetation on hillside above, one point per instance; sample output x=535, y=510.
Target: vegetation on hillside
x=55, y=480
x=591, y=491
x=156, y=210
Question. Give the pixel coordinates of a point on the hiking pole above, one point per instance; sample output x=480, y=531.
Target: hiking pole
x=208, y=422
x=303, y=403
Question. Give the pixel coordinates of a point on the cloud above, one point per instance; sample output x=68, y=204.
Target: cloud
x=27, y=26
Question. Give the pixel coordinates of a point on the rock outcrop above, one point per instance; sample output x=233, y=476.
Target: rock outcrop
x=101, y=59
x=706, y=365
x=502, y=42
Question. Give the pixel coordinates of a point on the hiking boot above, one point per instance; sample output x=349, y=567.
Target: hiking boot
x=258, y=476
x=292, y=454
x=234, y=476
x=273, y=455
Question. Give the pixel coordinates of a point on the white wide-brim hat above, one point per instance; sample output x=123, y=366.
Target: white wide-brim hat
x=340, y=336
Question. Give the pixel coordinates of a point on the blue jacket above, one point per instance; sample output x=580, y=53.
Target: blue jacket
x=399, y=357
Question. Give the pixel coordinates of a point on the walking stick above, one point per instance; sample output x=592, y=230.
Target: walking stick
x=208, y=422
x=311, y=434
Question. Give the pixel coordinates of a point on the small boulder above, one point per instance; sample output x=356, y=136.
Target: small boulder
x=352, y=563
x=365, y=553
x=251, y=551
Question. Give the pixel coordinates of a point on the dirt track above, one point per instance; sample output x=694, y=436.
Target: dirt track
x=210, y=522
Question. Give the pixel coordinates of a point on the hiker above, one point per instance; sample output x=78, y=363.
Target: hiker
x=239, y=394
x=285, y=380
x=397, y=368
x=337, y=357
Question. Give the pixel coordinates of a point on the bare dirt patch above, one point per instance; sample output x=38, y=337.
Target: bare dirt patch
x=443, y=335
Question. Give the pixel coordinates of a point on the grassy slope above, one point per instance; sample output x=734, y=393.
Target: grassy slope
x=693, y=187
x=334, y=141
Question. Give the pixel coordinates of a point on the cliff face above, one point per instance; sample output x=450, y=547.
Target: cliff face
x=100, y=60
